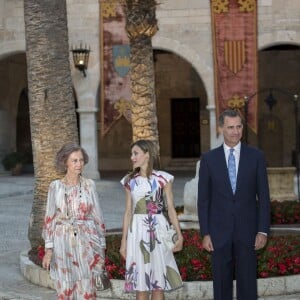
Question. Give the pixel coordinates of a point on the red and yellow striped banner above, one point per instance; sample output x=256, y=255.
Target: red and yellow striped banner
x=234, y=29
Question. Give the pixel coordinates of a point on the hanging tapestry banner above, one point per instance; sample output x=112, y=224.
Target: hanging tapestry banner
x=234, y=30
x=115, y=65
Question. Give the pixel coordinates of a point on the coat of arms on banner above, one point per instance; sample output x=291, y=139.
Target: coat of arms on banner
x=121, y=59
x=234, y=55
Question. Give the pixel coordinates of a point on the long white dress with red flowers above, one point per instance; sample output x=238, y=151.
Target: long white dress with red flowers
x=149, y=264
x=74, y=228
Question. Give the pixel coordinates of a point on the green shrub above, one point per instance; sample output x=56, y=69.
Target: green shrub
x=12, y=159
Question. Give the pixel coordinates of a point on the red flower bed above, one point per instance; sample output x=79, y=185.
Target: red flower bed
x=280, y=257
x=286, y=212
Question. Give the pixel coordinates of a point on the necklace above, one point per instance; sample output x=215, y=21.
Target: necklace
x=67, y=195
x=71, y=182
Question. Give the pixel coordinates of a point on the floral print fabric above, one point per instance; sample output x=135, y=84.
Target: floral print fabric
x=74, y=228
x=149, y=264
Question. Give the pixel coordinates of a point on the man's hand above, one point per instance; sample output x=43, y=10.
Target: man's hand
x=207, y=243
x=260, y=241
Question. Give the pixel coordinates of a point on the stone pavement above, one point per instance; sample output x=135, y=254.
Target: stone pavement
x=16, y=195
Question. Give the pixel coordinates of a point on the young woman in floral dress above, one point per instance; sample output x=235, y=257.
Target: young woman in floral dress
x=150, y=264
x=74, y=228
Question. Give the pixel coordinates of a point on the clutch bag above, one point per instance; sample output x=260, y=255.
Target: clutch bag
x=169, y=237
x=102, y=281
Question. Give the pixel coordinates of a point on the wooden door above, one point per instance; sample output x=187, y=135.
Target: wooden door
x=185, y=118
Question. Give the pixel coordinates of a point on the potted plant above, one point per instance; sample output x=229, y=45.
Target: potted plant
x=13, y=162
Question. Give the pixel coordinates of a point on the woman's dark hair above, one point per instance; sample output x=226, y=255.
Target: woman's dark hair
x=64, y=153
x=150, y=147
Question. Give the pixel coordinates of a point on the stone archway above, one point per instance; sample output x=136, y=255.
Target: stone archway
x=13, y=80
x=278, y=74
x=181, y=101
x=12, y=48
x=201, y=63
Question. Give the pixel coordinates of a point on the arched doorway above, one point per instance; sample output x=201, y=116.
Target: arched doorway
x=13, y=85
x=181, y=107
x=278, y=76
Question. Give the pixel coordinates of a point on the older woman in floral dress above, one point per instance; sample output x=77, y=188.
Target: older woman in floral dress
x=74, y=228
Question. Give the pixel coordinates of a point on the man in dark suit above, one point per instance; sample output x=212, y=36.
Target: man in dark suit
x=234, y=217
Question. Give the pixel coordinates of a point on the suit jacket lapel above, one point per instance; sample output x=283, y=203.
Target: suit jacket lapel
x=223, y=166
x=242, y=165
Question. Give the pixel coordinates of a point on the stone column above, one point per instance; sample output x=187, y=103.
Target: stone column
x=215, y=140
x=88, y=140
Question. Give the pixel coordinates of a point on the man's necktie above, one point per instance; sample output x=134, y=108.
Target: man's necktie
x=232, y=170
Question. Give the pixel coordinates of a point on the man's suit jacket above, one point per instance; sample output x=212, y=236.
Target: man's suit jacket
x=224, y=215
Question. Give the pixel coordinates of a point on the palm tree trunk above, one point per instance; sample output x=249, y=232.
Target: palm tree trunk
x=51, y=99
x=144, y=119
x=141, y=25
